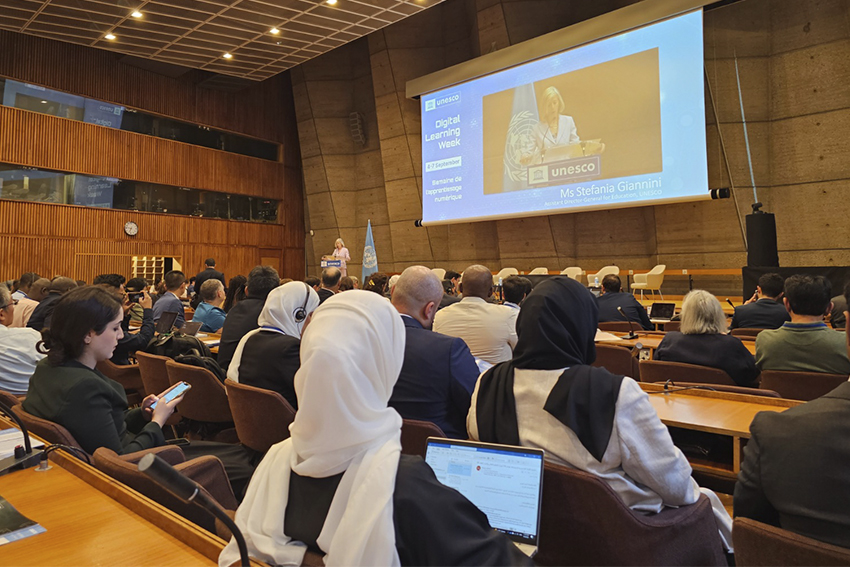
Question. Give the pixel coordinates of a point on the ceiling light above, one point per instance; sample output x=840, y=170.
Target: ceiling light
x=331, y=2
x=44, y=102
x=227, y=56
x=136, y=14
x=274, y=31
x=109, y=36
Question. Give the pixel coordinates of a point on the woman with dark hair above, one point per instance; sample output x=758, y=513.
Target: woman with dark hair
x=377, y=282
x=235, y=292
x=67, y=388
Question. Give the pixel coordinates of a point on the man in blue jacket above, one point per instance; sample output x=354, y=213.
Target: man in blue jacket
x=439, y=373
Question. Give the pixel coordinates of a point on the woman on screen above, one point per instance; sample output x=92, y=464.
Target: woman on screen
x=554, y=130
x=341, y=253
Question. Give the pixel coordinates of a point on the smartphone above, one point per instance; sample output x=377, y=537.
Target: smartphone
x=134, y=297
x=173, y=393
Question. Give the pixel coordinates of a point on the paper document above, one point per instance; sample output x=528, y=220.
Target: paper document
x=603, y=336
x=11, y=438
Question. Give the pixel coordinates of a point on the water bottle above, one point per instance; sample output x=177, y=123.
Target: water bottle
x=595, y=282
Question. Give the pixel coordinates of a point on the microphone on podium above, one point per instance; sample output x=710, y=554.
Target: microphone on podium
x=189, y=491
x=632, y=334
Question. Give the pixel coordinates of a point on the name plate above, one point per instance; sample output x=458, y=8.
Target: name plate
x=331, y=263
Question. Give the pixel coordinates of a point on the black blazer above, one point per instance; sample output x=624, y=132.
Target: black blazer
x=208, y=274
x=241, y=319
x=795, y=469
x=270, y=360
x=635, y=312
x=725, y=352
x=436, y=380
x=762, y=314
x=131, y=342
x=324, y=294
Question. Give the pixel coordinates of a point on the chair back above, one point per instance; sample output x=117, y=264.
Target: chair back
x=207, y=400
x=415, y=433
x=48, y=430
x=618, y=326
x=672, y=326
x=581, y=512
x=758, y=544
x=541, y=271
x=617, y=360
x=573, y=272
x=655, y=277
x=746, y=332
x=661, y=371
x=504, y=273
x=130, y=378
x=153, y=372
x=607, y=270
x=804, y=386
x=440, y=273
x=262, y=417
x=732, y=389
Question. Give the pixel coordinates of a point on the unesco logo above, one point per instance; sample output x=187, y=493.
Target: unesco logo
x=430, y=105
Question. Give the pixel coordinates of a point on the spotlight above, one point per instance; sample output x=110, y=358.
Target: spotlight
x=136, y=14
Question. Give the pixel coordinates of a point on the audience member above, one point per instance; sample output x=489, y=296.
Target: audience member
x=794, y=472
x=703, y=341
x=131, y=342
x=22, y=285
x=346, y=283
x=18, y=353
x=23, y=310
x=613, y=297
x=378, y=283
x=330, y=283
x=391, y=284
x=209, y=311
x=514, y=290
x=340, y=485
x=42, y=315
x=135, y=288
x=487, y=329
x=244, y=315
x=235, y=292
x=111, y=280
x=764, y=310
x=548, y=396
x=313, y=282
x=355, y=281
x=169, y=302
x=209, y=272
x=268, y=357
x=837, y=320
x=439, y=372
x=449, y=294
x=805, y=343
x=190, y=289
x=453, y=277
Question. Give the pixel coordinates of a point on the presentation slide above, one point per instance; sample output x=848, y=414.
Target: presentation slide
x=619, y=122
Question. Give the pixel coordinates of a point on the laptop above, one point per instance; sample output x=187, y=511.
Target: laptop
x=191, y=328
x=662, y=312
x=166, y=321
x=504, y=482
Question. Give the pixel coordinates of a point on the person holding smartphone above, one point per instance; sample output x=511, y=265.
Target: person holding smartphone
x=131, y=342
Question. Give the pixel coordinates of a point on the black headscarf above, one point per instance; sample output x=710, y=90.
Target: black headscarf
x=556, y=328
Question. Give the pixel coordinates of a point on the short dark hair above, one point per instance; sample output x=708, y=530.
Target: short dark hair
x=136, y=284
x=771, y=284
x=210, y=262
x=235, y=291
x=808, y=295
x=113, y=280
x=377, y=282
x=611, y=283
x=261, y=281
x=448, y=287
x=174, y=279
x=451, y=274
x=312, y=281
x=26, y=280
x=331, y=277
x=515, y=288
x=80, y=311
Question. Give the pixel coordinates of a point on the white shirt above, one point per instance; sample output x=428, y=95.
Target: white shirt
x=489, y=330
x=18, y=358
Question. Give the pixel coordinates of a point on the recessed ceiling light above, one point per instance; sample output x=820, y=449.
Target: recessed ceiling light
x=136, y=14
x=109, y=36
x=274, y=31
x=227, y=56
x=44, y=102
x=331, y=2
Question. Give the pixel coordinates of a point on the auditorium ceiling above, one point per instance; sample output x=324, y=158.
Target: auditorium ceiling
x=249, y=39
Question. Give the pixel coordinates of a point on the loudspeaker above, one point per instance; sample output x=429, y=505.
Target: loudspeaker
x=761, y=238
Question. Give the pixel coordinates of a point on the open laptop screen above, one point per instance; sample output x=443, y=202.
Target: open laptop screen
x=504, y=482
x=662, y=310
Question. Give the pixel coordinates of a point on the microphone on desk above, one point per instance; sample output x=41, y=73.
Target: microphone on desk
x=24, y=457
x=189, y=491
x=732, y=305
x=632, y=334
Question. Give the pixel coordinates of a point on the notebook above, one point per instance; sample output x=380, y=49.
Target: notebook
x=662, y=311
x=166, y=321
x=504, y=482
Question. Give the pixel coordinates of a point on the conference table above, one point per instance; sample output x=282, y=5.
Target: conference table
x=650, y=341
x=91, y=519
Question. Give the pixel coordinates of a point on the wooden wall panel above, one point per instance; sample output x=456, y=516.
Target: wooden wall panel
x=43, y=141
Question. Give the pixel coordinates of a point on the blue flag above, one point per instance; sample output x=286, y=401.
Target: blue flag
x=370, y=257
x=520, y=139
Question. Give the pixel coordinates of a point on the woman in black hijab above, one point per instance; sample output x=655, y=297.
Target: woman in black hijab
x=548, y=396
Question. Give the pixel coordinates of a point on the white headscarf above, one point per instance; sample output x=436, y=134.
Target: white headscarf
x=342, y=424
x=278, y=315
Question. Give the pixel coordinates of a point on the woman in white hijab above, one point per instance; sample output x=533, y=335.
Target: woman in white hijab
x=268, y=357
x=339, y=485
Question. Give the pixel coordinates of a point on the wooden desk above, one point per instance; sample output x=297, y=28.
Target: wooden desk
x=720, y=413
x=211, y=337
x=651, y=342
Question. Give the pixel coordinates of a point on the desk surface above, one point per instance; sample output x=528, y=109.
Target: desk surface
x=652, y=341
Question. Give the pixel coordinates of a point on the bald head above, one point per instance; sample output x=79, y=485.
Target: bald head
x=40, y=288
x=417, y=293
x=477, y=281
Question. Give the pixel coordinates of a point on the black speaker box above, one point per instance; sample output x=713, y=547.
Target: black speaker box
x=761, y=239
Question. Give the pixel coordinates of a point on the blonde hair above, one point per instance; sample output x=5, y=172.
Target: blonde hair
x=702, y=314
x=553, y=93
x=340, y=242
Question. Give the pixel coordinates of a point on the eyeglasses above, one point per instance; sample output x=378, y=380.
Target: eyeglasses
x=13, y=302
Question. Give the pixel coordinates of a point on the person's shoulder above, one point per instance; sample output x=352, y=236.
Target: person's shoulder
x=413, y=473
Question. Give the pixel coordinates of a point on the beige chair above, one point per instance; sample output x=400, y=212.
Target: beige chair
x=573, y=272
x=650, y=281
x=503, y=273
x=439, y=272
x=758, y=544
x=606, y=271
x=541, y=271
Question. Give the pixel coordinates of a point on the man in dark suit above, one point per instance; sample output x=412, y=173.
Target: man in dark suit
x=613, y=297
x=794, y=473
x=209, y=273
x=330, y=283
x=764, y=310
x=439, y=373
x=243, y=316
